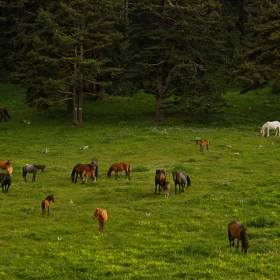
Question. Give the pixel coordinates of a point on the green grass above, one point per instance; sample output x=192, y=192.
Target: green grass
x=146, y=236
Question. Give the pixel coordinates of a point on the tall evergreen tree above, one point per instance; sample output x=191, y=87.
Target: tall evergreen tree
x=70, y=48
x=176, y=47
x=259, y=59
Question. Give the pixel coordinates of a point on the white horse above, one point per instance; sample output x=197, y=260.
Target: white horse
x=270, y=125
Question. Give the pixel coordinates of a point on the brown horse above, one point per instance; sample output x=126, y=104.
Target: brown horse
x=102, y=216
x=7, y=166
x=160, y=179
x=116, y=167
x=238, y=231
x=46, y=204
x=167, y=186
x=3, y=114
x=5, y=181
x=202, y=144
x=80, y=168
x=86, y=174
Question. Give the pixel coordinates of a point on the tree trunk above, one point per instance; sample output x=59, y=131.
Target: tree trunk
x=159, y=96
x=75, y=119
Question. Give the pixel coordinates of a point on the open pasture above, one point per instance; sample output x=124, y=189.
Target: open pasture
x=146, y=236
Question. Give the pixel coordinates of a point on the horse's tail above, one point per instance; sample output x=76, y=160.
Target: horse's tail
x=23, y=171
x=43, y=205
x=6, y=113
x=189, y=180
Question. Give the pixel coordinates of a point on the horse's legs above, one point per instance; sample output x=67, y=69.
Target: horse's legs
x=237, y=245
x=116, y=175
x=267, y=132
x=34, y=174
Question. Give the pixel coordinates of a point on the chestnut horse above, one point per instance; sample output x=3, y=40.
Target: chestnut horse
x=86, y=174
x=116, y=167
x=80, y=168
x=167, y=186
x=238, y=231
x=46, y=204
x=3, y=114
x=102, y=216
x=7, y=166
x=160, y=179
x=202, y=144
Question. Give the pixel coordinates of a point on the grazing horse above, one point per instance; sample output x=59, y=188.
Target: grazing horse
x=167, y=186
x=7, y=166
x=80, y=168
x=86, y=174
x=5, y=181
x=202, y=144
x=102, y=216
x=270, y=125
x=32, y=168
x=3, y=114
x=46, y=204
x=238, y=231
x=160, y=179
x=116, y=167
x=181, y=179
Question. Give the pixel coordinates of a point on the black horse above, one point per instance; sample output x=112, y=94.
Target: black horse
x=5, y=181
x=32, y=168
x=3, y=114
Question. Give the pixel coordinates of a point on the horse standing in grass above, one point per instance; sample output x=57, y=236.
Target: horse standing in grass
x=238, y=231
x=86, y=174
x=167, y=186
x=181, y=179
x=80, y=168
x=46, y=204
x=160, y=179
x=275, y=125
x=7, y=166
x=116, y=167
x=32, y=168
x=3, y=114
x=102, y=216
x=5, y=181
x=202, y=144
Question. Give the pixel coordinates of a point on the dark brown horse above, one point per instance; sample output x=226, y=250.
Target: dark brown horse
x=3, y=114
x=181, y=179
x=7, y=166
x=80, y=168
x=238, y=231
x=202, y=144
x=160, y=179
x=5, y=181
x=46, y=204
x=116, y=167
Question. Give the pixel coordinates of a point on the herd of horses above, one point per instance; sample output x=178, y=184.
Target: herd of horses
x=235, y=229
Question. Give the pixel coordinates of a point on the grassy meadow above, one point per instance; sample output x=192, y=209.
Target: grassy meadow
x=146, y=236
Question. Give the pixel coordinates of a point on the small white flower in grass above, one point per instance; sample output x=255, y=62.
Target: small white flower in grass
x=26, y=122
x=84, y=147
x=44, y=151
x=71, y=203
x=59, y=238
x=148, y=214
x=236, y=153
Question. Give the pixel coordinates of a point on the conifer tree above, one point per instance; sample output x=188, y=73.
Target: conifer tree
x=176, y=47
x=259, y=59
x=69, y=48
